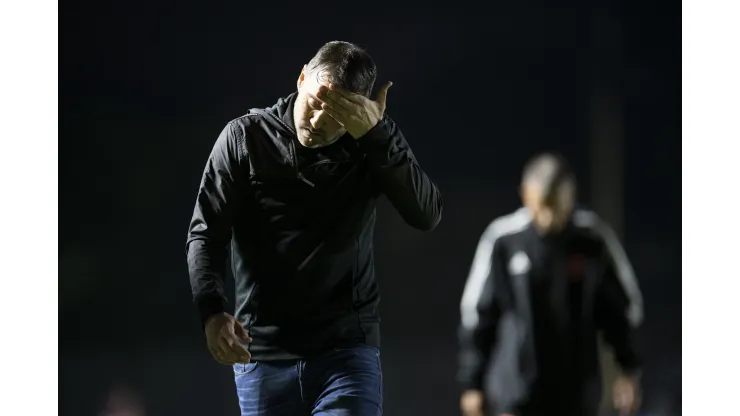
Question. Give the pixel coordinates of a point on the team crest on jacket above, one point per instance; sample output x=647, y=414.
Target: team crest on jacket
x=519, y=263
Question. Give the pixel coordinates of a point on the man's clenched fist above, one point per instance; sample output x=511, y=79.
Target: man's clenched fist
x=224, y=335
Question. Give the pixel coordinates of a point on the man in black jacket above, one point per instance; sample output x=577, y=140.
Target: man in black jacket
x=545, y=280
x=292, y=188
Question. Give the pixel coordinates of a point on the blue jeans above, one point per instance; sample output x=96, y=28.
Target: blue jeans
x=341, y=382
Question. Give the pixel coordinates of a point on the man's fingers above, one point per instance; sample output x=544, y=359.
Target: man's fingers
x=337, y=100
x=236, y=351
x=225, y=349
x=356, y=99
x=241, y=332
x=226, y=354
x=383, y=93
x=333, y=113
x=229, y=332
x=237, y=348
x=330, y=104
x=224, y=341
x=218, y=356
x=245, y=359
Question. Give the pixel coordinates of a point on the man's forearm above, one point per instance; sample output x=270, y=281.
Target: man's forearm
x=470, y=371
x=406, y=185
x=475, y=346
x=209, y=232
x=619, y=334
x=206, y=267
x=626, y=356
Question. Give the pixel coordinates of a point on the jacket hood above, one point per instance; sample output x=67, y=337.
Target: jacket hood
x=280, y=115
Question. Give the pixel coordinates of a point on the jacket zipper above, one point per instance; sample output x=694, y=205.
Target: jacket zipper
x=299, y=175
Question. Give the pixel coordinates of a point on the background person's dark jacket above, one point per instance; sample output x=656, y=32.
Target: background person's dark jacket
x=300, y=223
x=532, y=308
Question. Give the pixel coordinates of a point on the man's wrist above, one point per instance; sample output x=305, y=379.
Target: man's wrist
x=211, y=317
x=469, y=385
x=632, y=373
x=378, y=134
x=209, y=307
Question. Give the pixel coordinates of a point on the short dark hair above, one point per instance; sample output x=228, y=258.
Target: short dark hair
x=349, y=66
x=548, y=171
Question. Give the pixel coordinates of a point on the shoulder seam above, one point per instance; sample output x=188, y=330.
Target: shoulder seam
x=240, y=136
x=243, y=117
x=508, y=224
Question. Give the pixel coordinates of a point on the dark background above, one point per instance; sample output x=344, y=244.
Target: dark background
x=146, y=87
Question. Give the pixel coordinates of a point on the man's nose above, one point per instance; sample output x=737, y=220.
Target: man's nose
x=546, y=218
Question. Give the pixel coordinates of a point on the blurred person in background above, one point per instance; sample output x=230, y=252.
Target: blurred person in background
x=292, y=188
x=544, y=282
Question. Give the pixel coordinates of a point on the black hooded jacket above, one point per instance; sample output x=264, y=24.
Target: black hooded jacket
x=532, y=308
x=300, y=223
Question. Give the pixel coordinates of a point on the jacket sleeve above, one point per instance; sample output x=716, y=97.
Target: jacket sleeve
x=407, y=187
x=619, y=303
x=480, y=310
x=210, y=228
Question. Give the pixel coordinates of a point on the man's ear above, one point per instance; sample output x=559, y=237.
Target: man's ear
x=301, y=77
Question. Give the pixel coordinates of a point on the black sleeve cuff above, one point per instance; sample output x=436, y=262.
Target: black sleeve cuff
x=470, y=383
x=209, y=306
x=630, y=366
x=376, y=137
x=627, y=358
x=632, y=371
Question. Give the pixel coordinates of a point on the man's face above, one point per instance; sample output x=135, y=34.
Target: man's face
x=550, y=215
x=314, y=127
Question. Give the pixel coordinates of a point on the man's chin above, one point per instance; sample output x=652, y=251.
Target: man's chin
x=312, y=141
x=309, y=142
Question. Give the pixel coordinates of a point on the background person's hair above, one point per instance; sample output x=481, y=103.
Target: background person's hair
x=348, y=66
x=548, y=171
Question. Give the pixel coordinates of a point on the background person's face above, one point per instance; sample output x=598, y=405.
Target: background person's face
x=550, y=215
x=314, y=127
